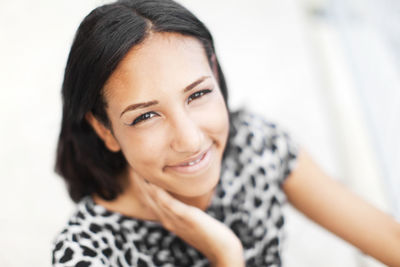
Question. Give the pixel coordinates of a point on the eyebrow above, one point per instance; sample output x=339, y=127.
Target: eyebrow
x=155, y=102
x=195, y=83
x=139, y=105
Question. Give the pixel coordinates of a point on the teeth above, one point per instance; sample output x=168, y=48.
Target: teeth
x=193, y=162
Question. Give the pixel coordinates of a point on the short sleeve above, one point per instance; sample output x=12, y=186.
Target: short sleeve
x=286, y=148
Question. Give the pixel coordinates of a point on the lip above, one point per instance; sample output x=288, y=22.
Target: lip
x=194, y=164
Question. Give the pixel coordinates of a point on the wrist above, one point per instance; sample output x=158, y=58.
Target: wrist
x=230, y=257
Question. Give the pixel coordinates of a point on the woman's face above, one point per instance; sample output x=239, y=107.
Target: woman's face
x=168, y=115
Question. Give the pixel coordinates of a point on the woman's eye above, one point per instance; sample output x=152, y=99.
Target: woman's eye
x=144, y=117
x=198, y=94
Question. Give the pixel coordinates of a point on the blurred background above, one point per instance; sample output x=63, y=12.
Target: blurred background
x=327, y=70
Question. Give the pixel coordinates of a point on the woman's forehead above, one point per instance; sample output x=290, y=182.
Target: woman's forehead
x=161, y=61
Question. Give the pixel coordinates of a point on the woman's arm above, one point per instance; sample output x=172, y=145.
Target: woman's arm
x=328, y=203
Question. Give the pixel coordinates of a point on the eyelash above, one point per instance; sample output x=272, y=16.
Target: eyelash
x=144, y=117
x=198, y=94
x=151, y=114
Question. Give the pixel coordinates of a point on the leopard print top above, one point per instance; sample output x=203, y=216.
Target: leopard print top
x=248, y=199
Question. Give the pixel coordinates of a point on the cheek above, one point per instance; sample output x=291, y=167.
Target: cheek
x=139, y=148
x=215, y=119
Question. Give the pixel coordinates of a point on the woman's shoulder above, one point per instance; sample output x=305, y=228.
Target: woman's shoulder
x=69, y=252
x=87, y=237
x=81, y=242
x=259, y=142
x=76, y=244
x=95, y=236
x=88, y=218
x=252, y=129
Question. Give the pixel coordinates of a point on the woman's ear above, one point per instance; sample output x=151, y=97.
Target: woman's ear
x=103, y=132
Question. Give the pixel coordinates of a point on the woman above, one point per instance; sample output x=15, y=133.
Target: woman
x=163, y=173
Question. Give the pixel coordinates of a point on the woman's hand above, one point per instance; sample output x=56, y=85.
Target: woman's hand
x=212, y=238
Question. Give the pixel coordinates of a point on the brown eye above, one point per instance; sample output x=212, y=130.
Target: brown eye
x=198, y=94
x=144, y=117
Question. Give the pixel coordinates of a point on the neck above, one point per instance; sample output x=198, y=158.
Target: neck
x=201, y=202
x=130, y=204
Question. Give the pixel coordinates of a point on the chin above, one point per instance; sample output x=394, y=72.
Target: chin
x=201, y=188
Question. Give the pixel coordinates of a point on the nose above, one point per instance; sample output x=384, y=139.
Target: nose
x=187, y=136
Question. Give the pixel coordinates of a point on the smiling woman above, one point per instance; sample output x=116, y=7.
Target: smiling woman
x=164, y=173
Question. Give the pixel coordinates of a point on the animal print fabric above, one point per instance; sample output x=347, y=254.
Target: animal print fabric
x=248, y=199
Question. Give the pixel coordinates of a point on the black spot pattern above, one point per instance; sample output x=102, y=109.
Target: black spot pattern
x=257, y=202
x=88, y=252
x=85, y=235
x=75, y=238
x=68, y=253
x=128, y=257
x=248, y=199
x=142, y=263
x=58, y=246
x=107, y=252
x=94, y=228
x=83, y=264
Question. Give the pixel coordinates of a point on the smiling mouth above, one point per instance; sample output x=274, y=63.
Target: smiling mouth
x=194, y=165
x=191, y=163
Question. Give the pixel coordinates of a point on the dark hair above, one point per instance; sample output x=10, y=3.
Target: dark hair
x=103, y=39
